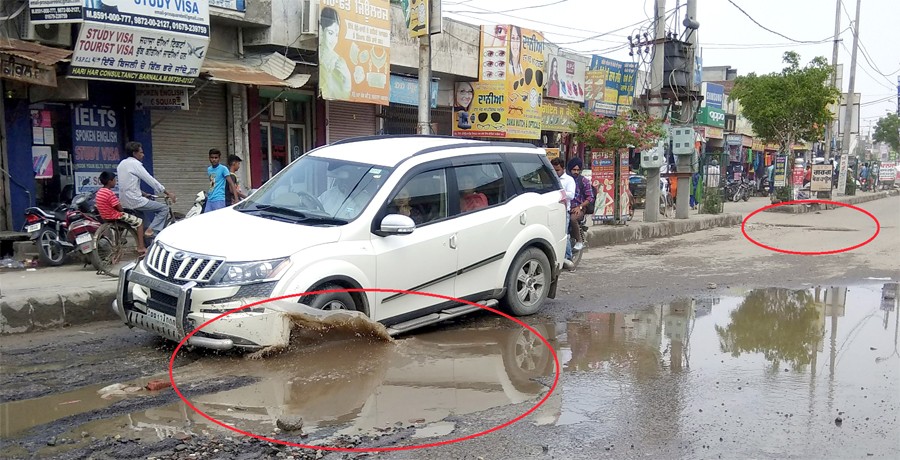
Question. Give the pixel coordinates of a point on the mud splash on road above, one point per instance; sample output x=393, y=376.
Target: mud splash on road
x=338, y=324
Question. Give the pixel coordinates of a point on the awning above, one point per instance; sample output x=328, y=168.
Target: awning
x=33, y=52
x=254, y=71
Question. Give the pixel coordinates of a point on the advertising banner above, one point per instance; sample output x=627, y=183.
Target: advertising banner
x=525, y=83
x=714, y=95
x=603, y=178
x=624, y=176
x=842, y=174
x=565, y=78
x=821, y=178
x=709, y=116
x=780, y=171
x=887, y=173
x=626, y=87
x=158, y=97
x=602, y=86
x=235, y=5
x=357, y=35
x=55, y=11
x=405, y=90
x=557, y=116
x=143, y=42
x=416, y=16
x=479, y=109
x=714, y=133
x=42, y=161
x=97, y=144
x=797, y=176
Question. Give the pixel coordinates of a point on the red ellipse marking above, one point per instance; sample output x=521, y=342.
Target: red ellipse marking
x=361, y=449
x=811, y=253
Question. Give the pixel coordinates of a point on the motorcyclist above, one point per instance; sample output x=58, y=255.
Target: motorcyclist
x=131, y=172
x=584, y=197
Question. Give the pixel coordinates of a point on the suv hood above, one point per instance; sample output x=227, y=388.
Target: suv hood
x=240, y=237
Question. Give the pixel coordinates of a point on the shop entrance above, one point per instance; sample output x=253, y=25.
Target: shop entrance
x=281, y=144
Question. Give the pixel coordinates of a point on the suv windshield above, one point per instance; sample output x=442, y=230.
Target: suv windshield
x=315, y=190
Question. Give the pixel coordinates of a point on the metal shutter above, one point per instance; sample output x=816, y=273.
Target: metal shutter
x=348, y=119
x=181, y=143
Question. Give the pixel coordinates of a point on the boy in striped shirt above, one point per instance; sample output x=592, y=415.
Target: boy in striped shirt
x=110, y=209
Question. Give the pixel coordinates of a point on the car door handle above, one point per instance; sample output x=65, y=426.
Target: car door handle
x=523, y=218
x=453, y=242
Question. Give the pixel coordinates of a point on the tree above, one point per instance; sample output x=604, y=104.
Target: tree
x=608, y=134
x=888, y=131
x=788, y=106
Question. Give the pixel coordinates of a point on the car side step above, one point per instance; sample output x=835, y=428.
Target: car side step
x=433, y=318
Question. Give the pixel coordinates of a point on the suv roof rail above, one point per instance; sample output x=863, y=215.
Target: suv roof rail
x=389, y=136
x=472, y=145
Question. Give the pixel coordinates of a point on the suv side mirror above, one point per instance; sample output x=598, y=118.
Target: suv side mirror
x=396, y=224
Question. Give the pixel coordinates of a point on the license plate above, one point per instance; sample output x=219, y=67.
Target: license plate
x=161, y=317
x=32, y=228
x=83, y=238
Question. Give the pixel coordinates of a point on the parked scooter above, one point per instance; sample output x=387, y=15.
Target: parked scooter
x=61, y=231
x=199, y=204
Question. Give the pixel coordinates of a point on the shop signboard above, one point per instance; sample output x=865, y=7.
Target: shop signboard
x=714, y=133
x=797, y=175
x=552, y=153
x=734, y=139
x=714, y=96
x=626, y=88
x=405, y=90
x=780, y=171
x=97, y=144
x=234, y=5
x=601, y=86
x=565, y=78
x=16, y=68
x=821, y=178
x=479, y=109
x=160, y=97
x=55, y=11
x=354, y=51
x=142, y=42
x=603, y=179
x=709, y=116
x=888, y=171
x=557, y=116
x=525, y=83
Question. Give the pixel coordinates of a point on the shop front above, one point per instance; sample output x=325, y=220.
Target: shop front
x=402, y=115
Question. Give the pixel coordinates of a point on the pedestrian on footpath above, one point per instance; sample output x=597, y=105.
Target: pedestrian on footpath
x=568, y=184
x=130, y=173
x=234, y=193
x=219, y=178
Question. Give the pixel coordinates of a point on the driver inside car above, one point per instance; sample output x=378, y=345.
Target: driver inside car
x=336, y=195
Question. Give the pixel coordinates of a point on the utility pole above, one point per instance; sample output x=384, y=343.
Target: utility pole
x=425, y=84
x=848, y=115
x=651, y=207
x=829, y=130
x=684, y=163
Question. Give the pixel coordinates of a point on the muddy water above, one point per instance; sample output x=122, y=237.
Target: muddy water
x=754, y=373
x=773, y=373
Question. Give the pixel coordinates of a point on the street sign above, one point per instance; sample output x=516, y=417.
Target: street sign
x=780, y=171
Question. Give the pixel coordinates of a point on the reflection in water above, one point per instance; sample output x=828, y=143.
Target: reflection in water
x=755, y=376
x=778, y=323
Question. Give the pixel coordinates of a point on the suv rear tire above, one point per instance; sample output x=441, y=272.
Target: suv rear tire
x=528, y=282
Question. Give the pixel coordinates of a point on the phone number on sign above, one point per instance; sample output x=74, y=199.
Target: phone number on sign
x=111, y=17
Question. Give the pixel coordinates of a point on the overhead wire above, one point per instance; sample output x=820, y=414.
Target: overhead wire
x=511, y=10
x=766, y=28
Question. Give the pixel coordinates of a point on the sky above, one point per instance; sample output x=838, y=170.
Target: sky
x=726, y=35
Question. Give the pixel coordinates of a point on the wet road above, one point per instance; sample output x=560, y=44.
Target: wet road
x=657, y=366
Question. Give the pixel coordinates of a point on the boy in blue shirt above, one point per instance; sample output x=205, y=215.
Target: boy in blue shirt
x=219, y=176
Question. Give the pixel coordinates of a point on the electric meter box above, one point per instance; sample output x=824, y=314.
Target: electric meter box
x=683, y=140
x=655, y=157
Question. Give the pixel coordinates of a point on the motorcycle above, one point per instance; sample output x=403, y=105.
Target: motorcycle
x=61, y=231
x=199, y=204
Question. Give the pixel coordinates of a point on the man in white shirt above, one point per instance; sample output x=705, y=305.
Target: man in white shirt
x=568, y=184
x=131, y=172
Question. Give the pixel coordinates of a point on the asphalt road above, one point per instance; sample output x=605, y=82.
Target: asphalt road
x=656, y=342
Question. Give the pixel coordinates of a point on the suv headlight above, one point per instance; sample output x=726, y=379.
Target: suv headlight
x=251, y=272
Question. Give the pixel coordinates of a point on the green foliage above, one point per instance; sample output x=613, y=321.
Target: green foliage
x=785, y=193
x=712, y=201
x=888, y=131
x=605, y=134
x=788, y=106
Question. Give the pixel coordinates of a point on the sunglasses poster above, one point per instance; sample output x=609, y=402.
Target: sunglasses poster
x=479, y=109
x=354, y=51
x=525, y=83
x=565, y=78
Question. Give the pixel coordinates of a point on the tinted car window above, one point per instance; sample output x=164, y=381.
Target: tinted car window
x=534, y=175
x=480, y=186
x=423, y=198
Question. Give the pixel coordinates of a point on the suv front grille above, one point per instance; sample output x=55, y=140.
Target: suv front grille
x=179, y=266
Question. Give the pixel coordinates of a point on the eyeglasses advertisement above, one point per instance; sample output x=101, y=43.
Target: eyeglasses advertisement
x=525, y=83
x=479, y=109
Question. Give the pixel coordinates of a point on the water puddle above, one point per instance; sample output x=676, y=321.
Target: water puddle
x=775, y=367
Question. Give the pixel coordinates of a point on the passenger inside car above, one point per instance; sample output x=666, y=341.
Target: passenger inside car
x=471, y=199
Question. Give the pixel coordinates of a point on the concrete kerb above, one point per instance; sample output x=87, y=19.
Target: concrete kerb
x=599, y=236
x=853, y=200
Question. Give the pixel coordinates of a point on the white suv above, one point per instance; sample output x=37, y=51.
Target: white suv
x=482, y=221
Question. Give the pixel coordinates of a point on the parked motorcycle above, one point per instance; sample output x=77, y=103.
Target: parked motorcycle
x=199, y=204
x=61, y=231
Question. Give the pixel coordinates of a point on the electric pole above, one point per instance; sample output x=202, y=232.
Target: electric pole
x=684, y=163
x=848, y=115
x=651, y=206
x=829, y=130
x=425, y=84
